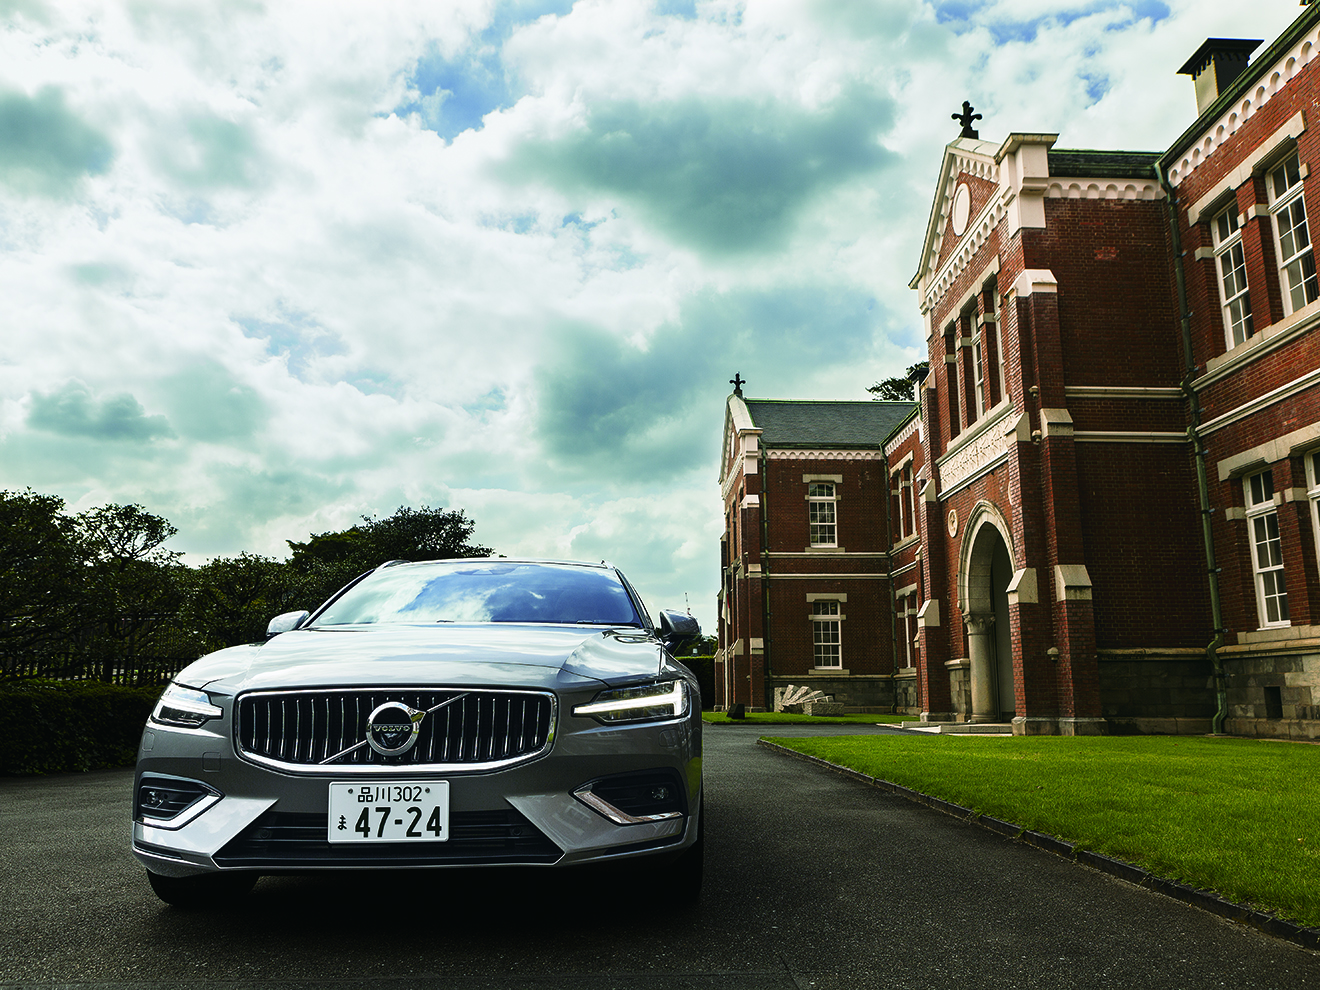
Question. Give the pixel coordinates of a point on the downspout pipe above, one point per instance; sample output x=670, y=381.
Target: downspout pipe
x=1198, y=450
x=766, y=613
x=889, y=575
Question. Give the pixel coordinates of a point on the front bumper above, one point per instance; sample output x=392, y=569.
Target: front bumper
x=275, y=822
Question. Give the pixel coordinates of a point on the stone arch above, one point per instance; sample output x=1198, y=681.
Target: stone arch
x=986, y=565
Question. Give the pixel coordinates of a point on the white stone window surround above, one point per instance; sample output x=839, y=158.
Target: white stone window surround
x=1313, y=494
x=1231, y=277
x=1266, y=549
x=1291, y=444
x=826, y=631
x=902, y=485
x=989, y=325
x=1292, y=237
x=822, y=514
x=1253, y=163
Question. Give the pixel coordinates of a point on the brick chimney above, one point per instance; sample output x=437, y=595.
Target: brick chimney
x=1215, y=65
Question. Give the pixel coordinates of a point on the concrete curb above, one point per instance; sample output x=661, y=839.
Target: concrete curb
x=1205, y=900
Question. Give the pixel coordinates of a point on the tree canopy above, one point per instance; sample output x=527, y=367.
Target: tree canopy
x=900, y=389
x=101, y=584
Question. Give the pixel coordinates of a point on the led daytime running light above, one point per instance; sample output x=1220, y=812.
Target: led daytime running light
x=672, y=695
x=185, y=707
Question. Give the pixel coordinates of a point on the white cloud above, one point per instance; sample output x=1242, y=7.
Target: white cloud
x=257, y=292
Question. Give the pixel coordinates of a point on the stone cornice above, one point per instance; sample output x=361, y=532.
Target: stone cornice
x=899, y=438
x=823, y=455
x=1268, y=81
x=1071, y=188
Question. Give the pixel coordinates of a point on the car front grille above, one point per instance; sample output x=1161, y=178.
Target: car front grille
x=284, y=840
x=324, y=731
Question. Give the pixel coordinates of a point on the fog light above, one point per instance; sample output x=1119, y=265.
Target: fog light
x=630, y=799
x=164, y=799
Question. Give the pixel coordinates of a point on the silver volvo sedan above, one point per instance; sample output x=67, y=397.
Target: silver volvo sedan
x=472, y=712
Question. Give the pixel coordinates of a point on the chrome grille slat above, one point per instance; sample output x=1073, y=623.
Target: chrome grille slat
x=465, y=728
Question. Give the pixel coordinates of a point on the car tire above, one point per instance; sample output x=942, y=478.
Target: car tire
x=203, y=890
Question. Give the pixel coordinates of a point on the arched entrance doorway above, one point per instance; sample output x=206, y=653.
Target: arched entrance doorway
x=986, y=572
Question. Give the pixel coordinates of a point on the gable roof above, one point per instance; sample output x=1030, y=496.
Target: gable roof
x=804, y=423
x=958, y=154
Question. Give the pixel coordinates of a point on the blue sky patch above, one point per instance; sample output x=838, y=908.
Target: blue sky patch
x=457, y=93
x=296, y=338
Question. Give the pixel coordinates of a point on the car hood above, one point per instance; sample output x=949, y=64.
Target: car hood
x=452, y=654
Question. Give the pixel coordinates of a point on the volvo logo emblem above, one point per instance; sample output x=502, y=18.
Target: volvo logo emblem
x=392, y=728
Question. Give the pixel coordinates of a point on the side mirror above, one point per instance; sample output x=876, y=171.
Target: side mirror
x=286, y=622
x=677, y=630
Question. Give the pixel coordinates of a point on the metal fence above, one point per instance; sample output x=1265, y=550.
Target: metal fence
x=134, y=671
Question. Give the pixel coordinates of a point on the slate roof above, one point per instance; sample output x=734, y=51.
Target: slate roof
x=804, y=423
x=1085, y=163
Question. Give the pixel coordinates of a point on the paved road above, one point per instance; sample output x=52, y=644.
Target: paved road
x=813, y=881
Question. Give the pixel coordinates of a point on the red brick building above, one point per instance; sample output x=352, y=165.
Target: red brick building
x=1243, y=194
x=1115, y=468
x=805, y=598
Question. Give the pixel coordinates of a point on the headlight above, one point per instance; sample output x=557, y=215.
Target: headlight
x=638, y=704
x=185, y=707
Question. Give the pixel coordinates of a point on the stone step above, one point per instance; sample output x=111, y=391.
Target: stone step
x=961, y=728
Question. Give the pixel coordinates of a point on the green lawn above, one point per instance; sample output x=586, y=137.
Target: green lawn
x=787, y=718
x=1237, y=816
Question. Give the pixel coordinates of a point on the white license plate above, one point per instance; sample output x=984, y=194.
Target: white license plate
x=400, y=811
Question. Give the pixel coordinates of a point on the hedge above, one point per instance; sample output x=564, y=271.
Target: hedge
x=62, y=726
x=704, y=668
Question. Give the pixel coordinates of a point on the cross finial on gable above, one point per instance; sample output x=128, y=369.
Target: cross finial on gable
x=965, y=118
x=737, y=382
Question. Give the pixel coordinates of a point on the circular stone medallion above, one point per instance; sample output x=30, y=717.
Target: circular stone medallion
x=962, y=208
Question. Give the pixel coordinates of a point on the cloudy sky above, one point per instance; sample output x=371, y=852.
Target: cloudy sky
x=265, y=268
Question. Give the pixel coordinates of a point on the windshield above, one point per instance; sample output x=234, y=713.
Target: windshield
x=485, y=591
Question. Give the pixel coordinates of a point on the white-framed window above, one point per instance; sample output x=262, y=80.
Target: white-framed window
x=1292, y=239
x=826, y=645
x=952, y=378
x=906, y=621
x=821, y=517
x=991, y=296
x=978, y=356
x=1313, y=495
x=904, y=505
x=1230, y=263
x=1266, y=549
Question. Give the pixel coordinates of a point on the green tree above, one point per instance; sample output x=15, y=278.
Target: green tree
x=331, y=560
x=900, y=389
x=41, y=588
x=232, y=599
x=135, y=587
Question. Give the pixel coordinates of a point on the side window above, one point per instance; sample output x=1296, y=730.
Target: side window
x=1313, y=494
x=1231, y=265
x=821, y=514
x=826, y=645
x=1266, y=549
x=969, y=347
x=951, y=377
x=909, y=506
x=1292, y=238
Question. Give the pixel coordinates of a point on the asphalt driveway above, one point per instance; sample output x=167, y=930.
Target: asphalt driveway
x=813, y=880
